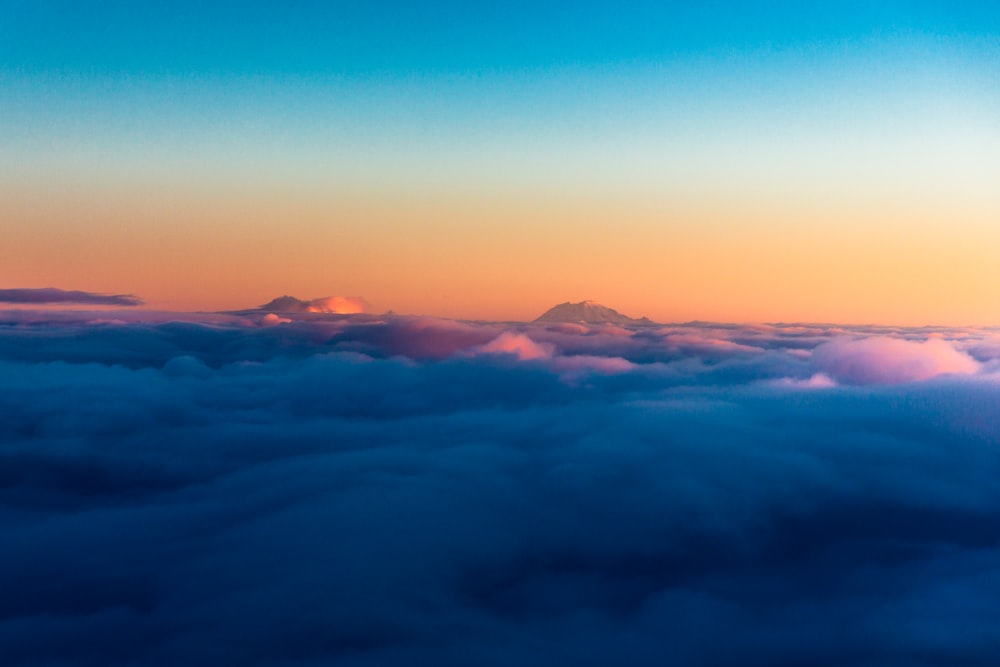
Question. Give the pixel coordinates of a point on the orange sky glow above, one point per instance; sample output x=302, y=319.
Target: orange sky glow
x=512, y=255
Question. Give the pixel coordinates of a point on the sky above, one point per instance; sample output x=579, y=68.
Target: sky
x=269, y=389
x=748, y=162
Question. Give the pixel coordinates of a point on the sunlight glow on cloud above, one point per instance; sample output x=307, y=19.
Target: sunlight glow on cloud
x=271, y=319
x=884, y=360
x=338, y=305
x=517, y=344
x=341, y=305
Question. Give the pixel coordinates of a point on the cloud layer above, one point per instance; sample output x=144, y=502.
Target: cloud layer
x=51, y=295
x=360, y=490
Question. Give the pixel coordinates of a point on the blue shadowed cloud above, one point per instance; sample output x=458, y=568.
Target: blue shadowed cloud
x=373, y=490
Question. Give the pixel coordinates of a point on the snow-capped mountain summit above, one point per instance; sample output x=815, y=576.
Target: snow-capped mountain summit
x=588, y=312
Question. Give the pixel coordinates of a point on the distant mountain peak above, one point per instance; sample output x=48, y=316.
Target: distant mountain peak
x=328, y=304
x=285, y=304
x=588, y=312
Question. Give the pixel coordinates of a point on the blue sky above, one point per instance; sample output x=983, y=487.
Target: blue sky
x=117, y=82
x=400, y=38
x=767, y=117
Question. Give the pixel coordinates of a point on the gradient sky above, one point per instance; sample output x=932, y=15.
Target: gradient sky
x=778, y=161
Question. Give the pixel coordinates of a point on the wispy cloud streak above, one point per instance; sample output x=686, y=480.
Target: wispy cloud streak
x=54, y=296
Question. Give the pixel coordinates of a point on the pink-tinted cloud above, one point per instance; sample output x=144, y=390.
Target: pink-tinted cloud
x=884, y=360
x=271, y=319
x=340, y=305
x=518, y=344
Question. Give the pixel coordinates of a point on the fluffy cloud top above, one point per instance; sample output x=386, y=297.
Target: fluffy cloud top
x=517, y=344
x=883, y=360
x=409, y=491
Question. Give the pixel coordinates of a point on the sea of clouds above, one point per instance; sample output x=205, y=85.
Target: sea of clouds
x=316, y=489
